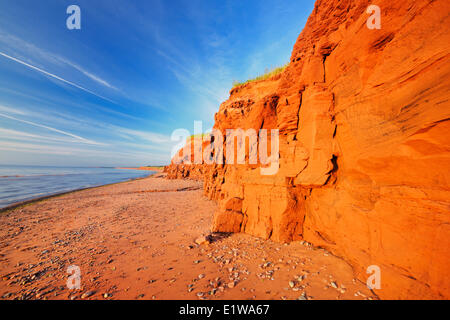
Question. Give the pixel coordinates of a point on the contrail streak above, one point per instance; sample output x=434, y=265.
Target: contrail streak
x=54, y=76
x=51, y=129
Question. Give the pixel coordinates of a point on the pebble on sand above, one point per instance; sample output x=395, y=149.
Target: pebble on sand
x=87, y=294
x=202, y=240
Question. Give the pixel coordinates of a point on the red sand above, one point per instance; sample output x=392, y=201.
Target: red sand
x=135, y=240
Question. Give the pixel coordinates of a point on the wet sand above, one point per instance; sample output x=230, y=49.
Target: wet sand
x=136, y=240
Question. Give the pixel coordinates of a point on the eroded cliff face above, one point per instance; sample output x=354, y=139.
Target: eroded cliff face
x=364, y=126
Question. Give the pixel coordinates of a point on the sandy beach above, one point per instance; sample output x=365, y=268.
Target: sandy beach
x=136, y=240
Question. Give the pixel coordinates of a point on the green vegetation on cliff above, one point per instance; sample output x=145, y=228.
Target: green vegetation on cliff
x=269, y=73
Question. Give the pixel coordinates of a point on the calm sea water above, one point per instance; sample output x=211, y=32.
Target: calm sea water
x=20, y=183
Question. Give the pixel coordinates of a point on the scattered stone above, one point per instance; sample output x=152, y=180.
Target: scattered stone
x=334, y=284
x=203, y=240
x=301, y=278
x=87, y=294
x=291, y=284
x=201, y=276
x=7, y=295
x=230, y=285
x=303, y=296
x=359, y=293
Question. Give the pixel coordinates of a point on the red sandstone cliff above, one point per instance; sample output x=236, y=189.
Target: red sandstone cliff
x=364, y=145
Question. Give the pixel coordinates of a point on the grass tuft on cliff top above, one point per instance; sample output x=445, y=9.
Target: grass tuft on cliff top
x=268, y=74
x=195, y=136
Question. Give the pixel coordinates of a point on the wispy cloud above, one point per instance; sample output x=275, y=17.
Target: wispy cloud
x=81, y=139
x=88, y=74
x=48, y=149
x=35, y=148
x=54, y=76
x=11, y=110
x=20, y=45
x=32, y=56
x=75, y=152
x=209, y=81
x=10, y=134
x=142, y=135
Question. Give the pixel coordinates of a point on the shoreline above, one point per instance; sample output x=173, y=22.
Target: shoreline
x=57, y=194
x=150, y=168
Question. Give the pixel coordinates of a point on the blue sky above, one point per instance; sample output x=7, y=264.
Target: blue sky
x=112, y=93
